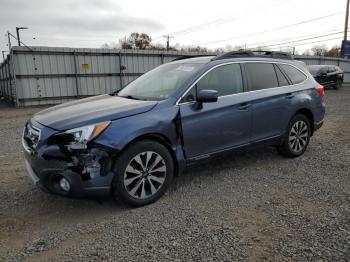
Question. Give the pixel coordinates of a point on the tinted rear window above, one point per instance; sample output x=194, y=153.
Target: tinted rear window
x=282, y=81
x=261, y=75
x=293, y=74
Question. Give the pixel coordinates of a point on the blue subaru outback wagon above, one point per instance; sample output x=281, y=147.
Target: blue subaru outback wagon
x=130, y=144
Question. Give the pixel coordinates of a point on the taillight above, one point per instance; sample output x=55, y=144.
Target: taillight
x=320, y=90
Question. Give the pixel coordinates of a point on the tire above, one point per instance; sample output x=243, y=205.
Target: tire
x=143, y=173
x=297, y=137
x=339, y=84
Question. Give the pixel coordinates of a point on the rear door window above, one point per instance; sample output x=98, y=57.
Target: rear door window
x=282, y=80
x=293, y=74
x=261, y=75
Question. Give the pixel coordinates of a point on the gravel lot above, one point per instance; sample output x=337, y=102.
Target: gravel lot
x=247, y=206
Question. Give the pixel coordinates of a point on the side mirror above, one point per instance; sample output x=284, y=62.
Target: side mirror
x=207, y=96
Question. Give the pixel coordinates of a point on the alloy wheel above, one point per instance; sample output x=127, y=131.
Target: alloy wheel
x=144, y=175
x=298, y=136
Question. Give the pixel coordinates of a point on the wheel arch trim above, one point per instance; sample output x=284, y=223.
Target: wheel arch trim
x=178, y=159
x=309, y=114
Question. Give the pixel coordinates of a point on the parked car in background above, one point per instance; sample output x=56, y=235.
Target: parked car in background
x=130, y=144
x=327, y=75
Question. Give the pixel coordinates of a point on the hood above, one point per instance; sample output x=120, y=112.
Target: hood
x=90, y=111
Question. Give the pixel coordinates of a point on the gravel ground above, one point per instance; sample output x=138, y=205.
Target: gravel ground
x=248, y=206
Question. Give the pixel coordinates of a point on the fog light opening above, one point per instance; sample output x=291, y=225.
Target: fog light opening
x=64, y=184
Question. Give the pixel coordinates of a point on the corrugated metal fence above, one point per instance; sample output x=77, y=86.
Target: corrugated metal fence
x=46, y=75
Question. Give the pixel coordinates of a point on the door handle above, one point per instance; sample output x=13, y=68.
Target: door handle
x=244, y=106
x=290, y=95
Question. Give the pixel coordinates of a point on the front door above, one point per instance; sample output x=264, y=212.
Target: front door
x=220, y=125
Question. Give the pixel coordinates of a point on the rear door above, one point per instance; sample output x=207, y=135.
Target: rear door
x=270, y=104
x=218, y=125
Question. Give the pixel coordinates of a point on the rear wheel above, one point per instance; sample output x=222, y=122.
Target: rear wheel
x=142, y=173
x=297, y=137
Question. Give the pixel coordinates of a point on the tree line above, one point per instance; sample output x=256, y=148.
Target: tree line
x=143, y=41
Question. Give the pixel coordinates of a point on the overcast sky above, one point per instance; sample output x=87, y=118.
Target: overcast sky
x=90, y=23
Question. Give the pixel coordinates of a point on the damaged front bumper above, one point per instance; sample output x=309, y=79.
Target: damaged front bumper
x=88, y=171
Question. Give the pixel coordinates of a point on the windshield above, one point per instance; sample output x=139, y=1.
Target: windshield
x=159, y=83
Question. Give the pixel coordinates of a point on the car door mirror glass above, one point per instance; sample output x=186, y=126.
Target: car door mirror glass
x=207, y=96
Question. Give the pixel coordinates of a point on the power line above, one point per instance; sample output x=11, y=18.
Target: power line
x=214, y=22
x=273, y=29
x=291, y=38
x=313, y=42
x=300, y=40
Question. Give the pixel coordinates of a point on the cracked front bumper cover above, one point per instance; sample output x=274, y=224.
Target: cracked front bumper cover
x=47, y=164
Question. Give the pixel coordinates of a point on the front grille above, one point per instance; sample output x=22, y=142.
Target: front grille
x=31, y=135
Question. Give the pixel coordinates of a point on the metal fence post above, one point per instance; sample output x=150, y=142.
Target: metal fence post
x=1, y=80
x=120, y=70
x=76, y=74
x=13, y=78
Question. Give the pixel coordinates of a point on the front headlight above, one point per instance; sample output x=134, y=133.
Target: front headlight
x=83, y=135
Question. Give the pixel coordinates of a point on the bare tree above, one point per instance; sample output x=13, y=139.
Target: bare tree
x=139, y=40
x=194, y=48
x=124, y=44
x=157, y=46
x=136, y=41
x=333, y=52
x=318, y=50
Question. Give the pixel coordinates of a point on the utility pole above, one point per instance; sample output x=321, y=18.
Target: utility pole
x=293, y=50
x=9, y=40
x=17, y=31
x=346, y=20
x=167, y=37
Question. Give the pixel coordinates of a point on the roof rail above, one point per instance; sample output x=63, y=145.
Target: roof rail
x=250, y=53
x=188, y=56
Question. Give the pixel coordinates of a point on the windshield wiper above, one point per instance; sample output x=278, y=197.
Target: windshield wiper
x=131, y=97
x=114, y=93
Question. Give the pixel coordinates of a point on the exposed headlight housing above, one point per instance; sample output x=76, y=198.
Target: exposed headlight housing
x=83, y=135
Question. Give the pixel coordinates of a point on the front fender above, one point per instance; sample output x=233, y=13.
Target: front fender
x=157, y=121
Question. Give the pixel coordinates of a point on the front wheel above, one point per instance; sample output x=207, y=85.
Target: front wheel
x=339, y=84
x=297, y=137
x=142, y=173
